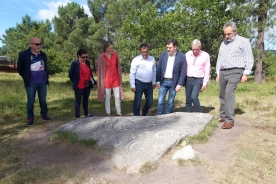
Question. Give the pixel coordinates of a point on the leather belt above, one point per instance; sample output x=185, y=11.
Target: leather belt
x=224, y=69
x=196, y=77
x=142, y=82
x=167, y=78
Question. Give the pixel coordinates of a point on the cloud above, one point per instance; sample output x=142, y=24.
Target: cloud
x=86, y=9
x=52, y=9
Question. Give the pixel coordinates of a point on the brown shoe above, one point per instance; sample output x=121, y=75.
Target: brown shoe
x=220, y=119
x=119, y=115
x=227, y=125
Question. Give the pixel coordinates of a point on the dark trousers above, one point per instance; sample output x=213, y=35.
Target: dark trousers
x=193, y=86
x=142, y=88
x=41, y=89
x=84, y=95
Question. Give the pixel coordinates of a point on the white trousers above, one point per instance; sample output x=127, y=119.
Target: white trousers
x=116, y=92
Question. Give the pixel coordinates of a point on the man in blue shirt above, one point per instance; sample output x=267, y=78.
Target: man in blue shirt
x=32, y=67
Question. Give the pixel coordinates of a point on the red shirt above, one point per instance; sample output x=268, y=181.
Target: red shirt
x=112, y=79
x=84, y=75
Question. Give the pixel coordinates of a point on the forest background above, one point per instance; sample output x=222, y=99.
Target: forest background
x=128, y=23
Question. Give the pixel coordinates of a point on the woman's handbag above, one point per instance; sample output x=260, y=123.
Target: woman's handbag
x=88, y=84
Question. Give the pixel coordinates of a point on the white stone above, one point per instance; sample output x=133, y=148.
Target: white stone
x=185, y=153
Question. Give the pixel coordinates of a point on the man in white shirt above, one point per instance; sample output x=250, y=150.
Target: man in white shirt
x=170, y=75
x=142, y=79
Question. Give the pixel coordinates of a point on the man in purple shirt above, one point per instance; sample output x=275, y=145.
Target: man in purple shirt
x=235, y=61
x=198, y=74
x=32, y=67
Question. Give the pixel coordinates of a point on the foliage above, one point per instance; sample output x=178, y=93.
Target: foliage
x=270, y=60
x=128, y=23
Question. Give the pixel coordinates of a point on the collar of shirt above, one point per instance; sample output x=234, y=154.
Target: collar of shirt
x=172, y=55
x=192, y=54
x=112, y=54
x=30, y=51
x=141, y=57
x=231, y=40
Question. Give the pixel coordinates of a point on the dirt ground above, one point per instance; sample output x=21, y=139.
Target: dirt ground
x=91, y=166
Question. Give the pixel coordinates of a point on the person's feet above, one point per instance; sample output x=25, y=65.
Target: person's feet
x=119, y=115
x=220, y=119
x=30, y=121
x=227, y=125
x=46, y=118
x=89, y=115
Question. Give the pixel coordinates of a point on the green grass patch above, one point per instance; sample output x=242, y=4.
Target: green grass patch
x=60, y=136
x=204, y=135
x=147, y=167
x=184, y=163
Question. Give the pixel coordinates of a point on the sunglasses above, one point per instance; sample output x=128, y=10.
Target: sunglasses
x=84, y=57
x=37, y=44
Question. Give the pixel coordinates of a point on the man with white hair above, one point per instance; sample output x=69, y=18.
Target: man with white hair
x=198, y=74
x=235, y=61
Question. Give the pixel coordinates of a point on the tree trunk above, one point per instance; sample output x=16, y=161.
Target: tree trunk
x=259, y=76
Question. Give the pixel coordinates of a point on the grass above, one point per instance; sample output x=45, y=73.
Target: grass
x=255, y=103
x=184, y=163
x=72, y=138
x=147, y=167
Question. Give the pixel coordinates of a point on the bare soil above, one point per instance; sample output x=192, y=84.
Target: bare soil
x=91, y=166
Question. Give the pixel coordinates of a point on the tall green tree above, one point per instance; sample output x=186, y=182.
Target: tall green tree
x=256, y=17
x=17, y=38
x=67, y=18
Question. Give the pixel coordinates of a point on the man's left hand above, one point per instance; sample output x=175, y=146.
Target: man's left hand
x=244, y=78
x=202, y=88
x=153, y=86
x=177, y=88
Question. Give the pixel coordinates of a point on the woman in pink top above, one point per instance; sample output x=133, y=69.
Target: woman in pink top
x=198, y=74
x=109, y=78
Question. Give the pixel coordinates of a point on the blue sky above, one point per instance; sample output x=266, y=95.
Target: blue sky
x=12, y=11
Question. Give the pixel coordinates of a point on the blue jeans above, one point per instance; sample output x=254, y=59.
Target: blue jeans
x=41, y=89
x=166, y=86
x=84, y=95
x=193, y=86
x=141, y=88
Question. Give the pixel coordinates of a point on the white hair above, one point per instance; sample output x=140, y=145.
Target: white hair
x=231, y=24
x=196, y=42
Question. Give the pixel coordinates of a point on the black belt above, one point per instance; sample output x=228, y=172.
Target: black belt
x=167, y=78
x=224, y=69
x=196, y=77
x=142, y=82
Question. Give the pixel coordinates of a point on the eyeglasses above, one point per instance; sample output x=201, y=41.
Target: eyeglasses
x=37, y=44
x=84, y=57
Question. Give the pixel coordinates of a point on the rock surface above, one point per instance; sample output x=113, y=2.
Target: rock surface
x=132, y=141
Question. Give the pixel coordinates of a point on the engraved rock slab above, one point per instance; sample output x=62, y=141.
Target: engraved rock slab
x=132, y=141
